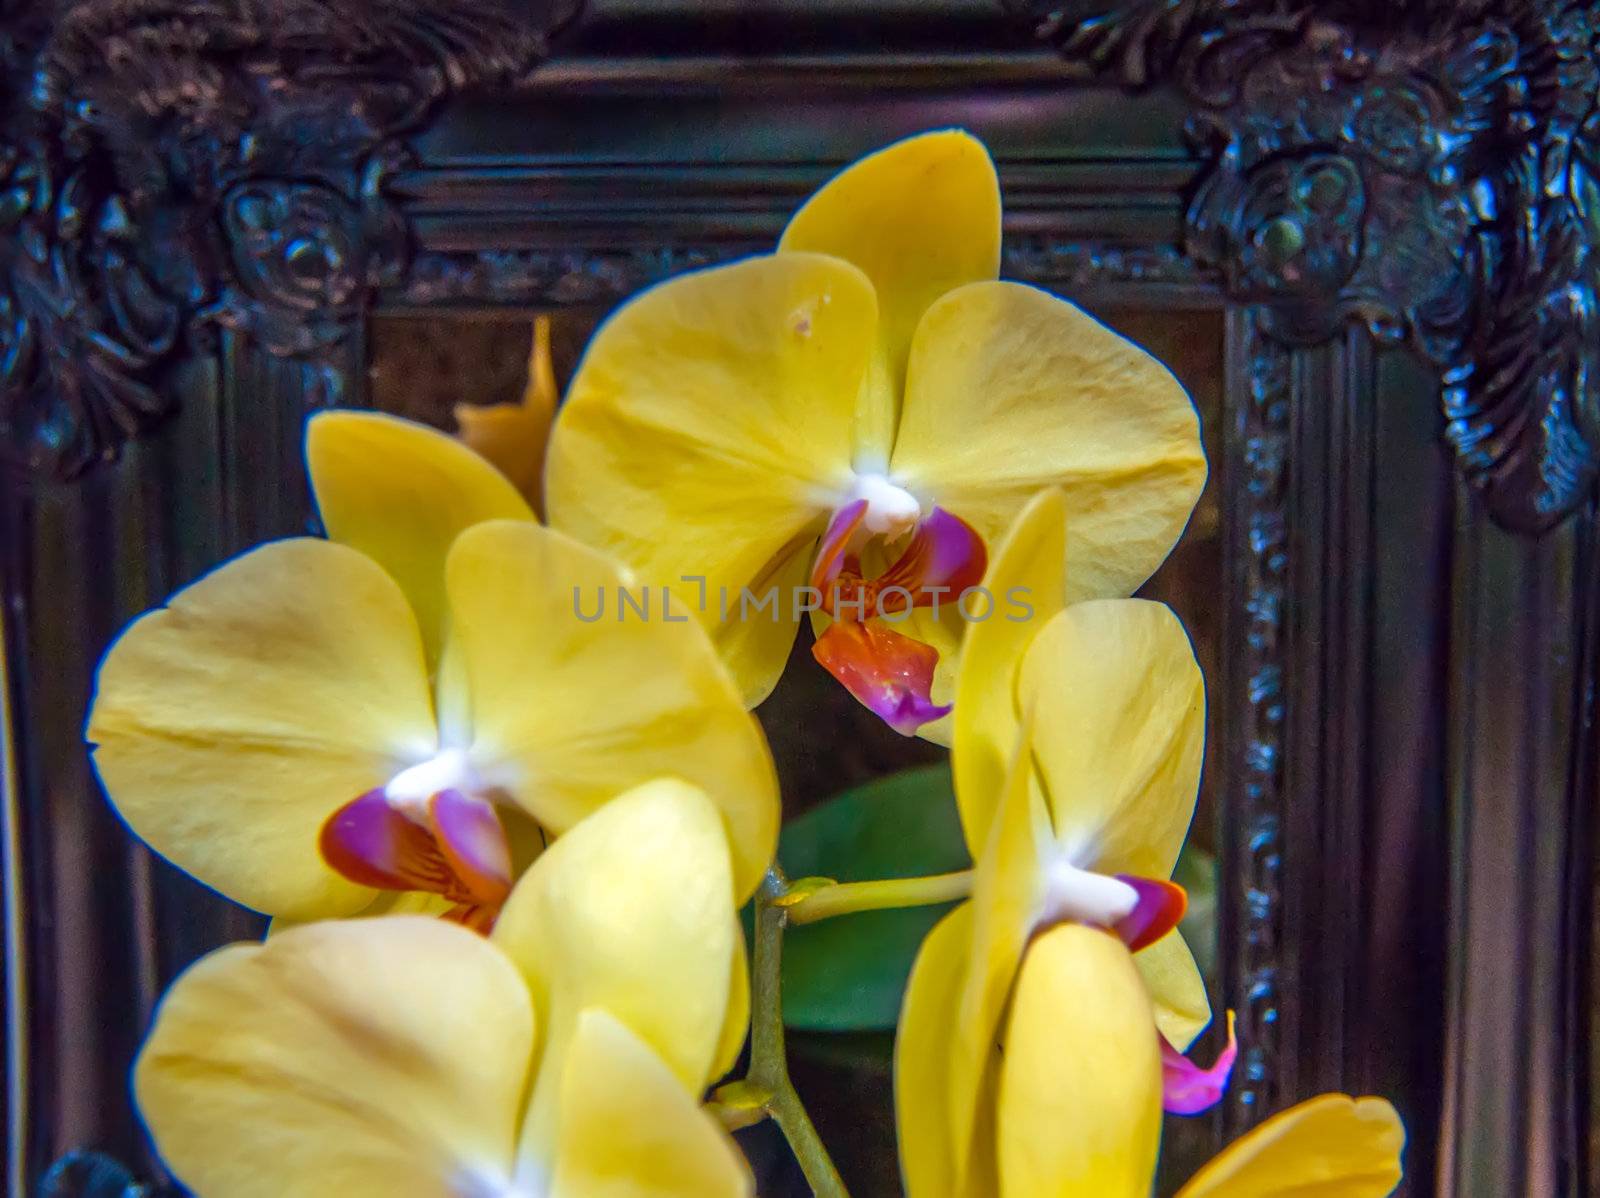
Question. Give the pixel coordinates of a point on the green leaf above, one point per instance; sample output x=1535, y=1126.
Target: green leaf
x=848, y=974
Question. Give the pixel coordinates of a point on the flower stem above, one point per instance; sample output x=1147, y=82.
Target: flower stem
x=846, y=898
x=769, y=1063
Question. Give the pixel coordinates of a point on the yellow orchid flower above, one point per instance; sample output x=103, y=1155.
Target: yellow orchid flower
x=1110, y=751
x=388, y=718
x=867, y=410
x=409, y=1058
x=1042, y=905
x=1071, y=1095
x=513, y=436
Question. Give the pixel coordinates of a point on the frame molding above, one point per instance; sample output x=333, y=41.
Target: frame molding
x=200, y=204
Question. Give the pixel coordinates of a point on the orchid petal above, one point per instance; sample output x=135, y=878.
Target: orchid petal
x=1119, y=734
x=889, y=673
x=1080, y=1090
x=736, y=1023
x=1333, y=1146
x=1183, y=1009
x=374, y=1058
x=513, y=437
x=231, y=723
x=706, y=436
x=1010, y=390
x=1027, y=579
x=1007, y=892
x=1187, y=1089
x=923, y=1057
x=568, y=713
x=401, y=492
x=629, y=1128
x=919, y=217
x=633, y=911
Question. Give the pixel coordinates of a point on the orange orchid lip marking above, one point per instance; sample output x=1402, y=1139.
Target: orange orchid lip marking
x=1161, y=907
x=889, y=672
x=461, y=853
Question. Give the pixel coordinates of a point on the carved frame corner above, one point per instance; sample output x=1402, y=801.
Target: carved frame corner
x=169, y=170
x=1426, y=169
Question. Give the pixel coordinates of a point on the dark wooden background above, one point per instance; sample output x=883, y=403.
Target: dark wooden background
x=1368, y=225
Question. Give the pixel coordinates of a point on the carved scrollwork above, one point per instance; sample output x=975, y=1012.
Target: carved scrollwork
x=165, y=167
x=1423, y=168
x=304, y=256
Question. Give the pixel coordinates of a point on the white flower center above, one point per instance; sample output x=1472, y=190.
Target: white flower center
x=448, y=769
x=891, y=509
x=486, y=1183
x=1083, y=896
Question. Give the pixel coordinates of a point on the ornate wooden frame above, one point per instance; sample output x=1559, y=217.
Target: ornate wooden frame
x=1394, y=201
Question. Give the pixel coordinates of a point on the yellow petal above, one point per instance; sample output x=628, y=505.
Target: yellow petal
x=231, y=723
x=381, y=1058
x=920, y=217
x=630, y=1130
x=514, y=436
x=756, y=640
x=568, y=713
x=1119, y=732
x=736, y=1023
x=1010, y=390
x=1333, y=1146
x=632, y=911
x=1006, y=892
x=707, y=435
x=384, y=902
x=1183, y=1010
x=1026, y=577
x=1080, y=1090
x=400, y=492
x=922, y=1057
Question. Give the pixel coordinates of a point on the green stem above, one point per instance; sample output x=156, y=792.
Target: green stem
x=769, y=1063
x=846, y=898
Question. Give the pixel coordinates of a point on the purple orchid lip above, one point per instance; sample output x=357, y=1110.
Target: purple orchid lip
x=1160, y=908
x=832, y=550
x=889, y=672
x=944, y=558
x=1186, y=1088
x=372, y=843
x=461, y=854
x=473, y=841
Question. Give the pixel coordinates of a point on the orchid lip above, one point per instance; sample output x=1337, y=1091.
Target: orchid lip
x=452, y=845
x=1188, y=1089
x=888, y=673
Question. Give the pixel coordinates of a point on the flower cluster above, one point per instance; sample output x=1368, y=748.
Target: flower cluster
x=505, y=843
